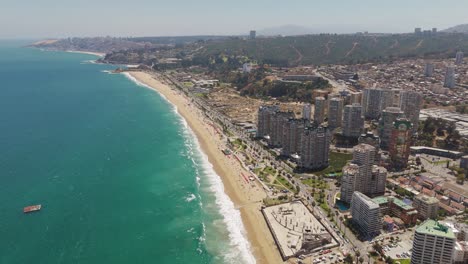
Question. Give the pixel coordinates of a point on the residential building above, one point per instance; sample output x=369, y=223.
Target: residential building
x=292, y=133
x=429, y=70
x=320, y=107
x=449, y=81
x=253, y=34
x=395, y=207
x=459, y=58
x=417, y=31
x=370, y=139
x=366, y=215
x=374, y=101
x=306, y=111
x=315, y=147
x=335, y=113
x=400, y=143
x=427, y=207
x=264, y=119
x=353, y=122
x=433, y=243
x=410, y=104
x=278, y=119
x=389, y=116
x=362, y=175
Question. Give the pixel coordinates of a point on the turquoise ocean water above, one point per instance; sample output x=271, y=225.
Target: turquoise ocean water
x=119, y=175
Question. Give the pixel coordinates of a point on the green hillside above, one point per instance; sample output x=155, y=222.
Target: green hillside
x=332, y=49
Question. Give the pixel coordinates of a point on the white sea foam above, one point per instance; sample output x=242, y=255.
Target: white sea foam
x=190, y=197
x=239, y=250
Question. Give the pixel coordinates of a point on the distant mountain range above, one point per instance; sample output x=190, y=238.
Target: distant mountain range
x=463, y=28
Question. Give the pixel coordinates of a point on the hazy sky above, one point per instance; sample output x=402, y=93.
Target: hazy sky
x=63, y=18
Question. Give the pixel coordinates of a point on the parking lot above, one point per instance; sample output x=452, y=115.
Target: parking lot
x=399, y=250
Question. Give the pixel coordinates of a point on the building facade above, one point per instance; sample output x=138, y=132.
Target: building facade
x=427, y=207
x=374, y=101
x=315, y=148
x=400, y=143
x=353, y=122
x=319, y=111
x=362, y=175
x=335, y=113
x=264, y=120
x=278, y=120
x=433, y=243
x=459, y=58
x=292, y=133
x=449, y=80
x=366, y=215
x=389, y=116
x=410, y=104
x=429, y=70
x=306, y=111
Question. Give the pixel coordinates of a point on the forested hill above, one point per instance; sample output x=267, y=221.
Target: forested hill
x=278, y=51
x=333, y=49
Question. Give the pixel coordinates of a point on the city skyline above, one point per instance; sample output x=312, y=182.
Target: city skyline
x=53, y=18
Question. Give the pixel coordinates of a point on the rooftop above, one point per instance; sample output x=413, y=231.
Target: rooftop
x=434, y=228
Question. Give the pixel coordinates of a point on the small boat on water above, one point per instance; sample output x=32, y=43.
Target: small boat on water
x=32, y=208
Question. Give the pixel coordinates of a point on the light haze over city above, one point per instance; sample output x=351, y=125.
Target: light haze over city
x=56, y=18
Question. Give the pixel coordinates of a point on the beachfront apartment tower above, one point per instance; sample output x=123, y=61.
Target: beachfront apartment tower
x=278, y=120
x=264, y=120
x=292, y=133
x=427, y=206
x=389, y=116
x=362, y=175
x=315, y=147
x=366, y=215
x=433, y=243
x=353, y=122
x=335, y=113
x=319, y=110
x=449, y=80
x=410, y=104
x=459, y=58
x=306, y=111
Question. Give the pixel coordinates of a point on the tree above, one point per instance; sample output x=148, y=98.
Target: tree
x=361, y=259
x=348, y=259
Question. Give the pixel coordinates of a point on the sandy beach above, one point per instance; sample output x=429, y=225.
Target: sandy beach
x=247, y=197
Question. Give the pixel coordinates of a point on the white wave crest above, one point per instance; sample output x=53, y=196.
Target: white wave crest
x=190, y=197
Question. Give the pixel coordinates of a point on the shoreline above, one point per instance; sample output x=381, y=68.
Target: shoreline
x=246, y=197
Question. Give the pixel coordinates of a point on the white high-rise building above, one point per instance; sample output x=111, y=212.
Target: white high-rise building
x=433, y=243
x=374, y=101
x=315, y=147
x=449, y=81
x=427, y=207
x=362, y=175
x=335, y=113
x=366, y=215
x=459, y=58
x=306, y=111
x=292, y=134
x=319, y=111
x=264, y=119
x=353, y=122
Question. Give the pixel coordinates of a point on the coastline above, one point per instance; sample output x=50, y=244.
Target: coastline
x=246, y=197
